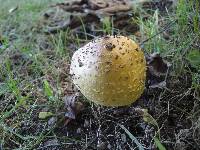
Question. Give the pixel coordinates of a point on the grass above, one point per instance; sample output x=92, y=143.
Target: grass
x=20, y=103
x=34, y=78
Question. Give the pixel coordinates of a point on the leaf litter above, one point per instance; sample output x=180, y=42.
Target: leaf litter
x=91, y=13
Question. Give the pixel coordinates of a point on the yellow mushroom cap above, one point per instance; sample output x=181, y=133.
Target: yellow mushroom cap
x=110, y=71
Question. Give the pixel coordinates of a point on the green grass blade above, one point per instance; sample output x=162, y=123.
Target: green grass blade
x=159, y=144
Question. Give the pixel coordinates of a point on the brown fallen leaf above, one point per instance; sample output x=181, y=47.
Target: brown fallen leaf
x=157, y=65
x=115, y=9
x=73, y=107
x=106, y=6
x=72, y=22
x=92, y=12
x=97, y=4
x=157, y=71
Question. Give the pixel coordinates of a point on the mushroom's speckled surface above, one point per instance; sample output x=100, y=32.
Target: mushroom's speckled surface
x=110, y=71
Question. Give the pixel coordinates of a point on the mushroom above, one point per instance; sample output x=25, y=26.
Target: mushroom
x=109, y=71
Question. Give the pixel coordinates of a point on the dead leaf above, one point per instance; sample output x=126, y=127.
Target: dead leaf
x=157, y=71
x=73, y=105
x=72, y=22
x=115, y=9
x=97, y=4
x=104, y=6
x=157, y=65
x=93, y=12
x=66, y=122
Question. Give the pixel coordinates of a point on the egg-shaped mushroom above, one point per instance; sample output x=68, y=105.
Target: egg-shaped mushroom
x=109, y=71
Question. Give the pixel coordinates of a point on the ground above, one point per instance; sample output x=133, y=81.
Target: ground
x=41, y=109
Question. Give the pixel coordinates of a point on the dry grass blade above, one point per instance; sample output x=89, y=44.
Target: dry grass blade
x=132, y=137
